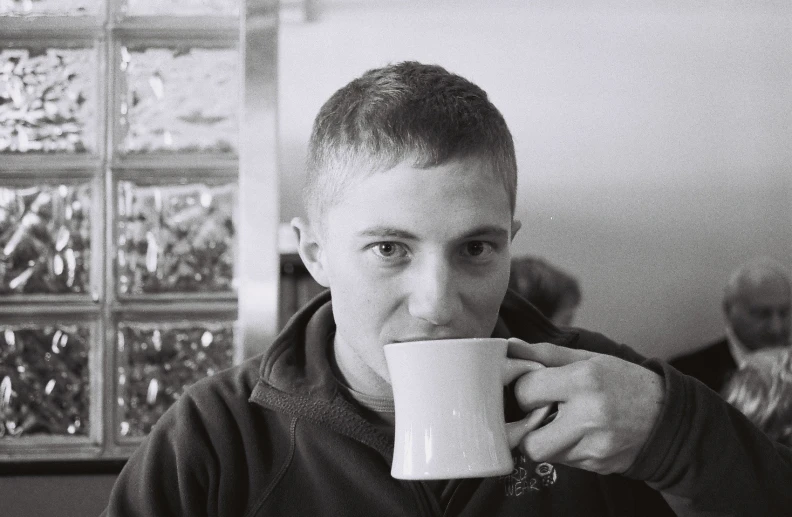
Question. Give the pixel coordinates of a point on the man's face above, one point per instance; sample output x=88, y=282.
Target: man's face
x=760, y=317
x=413, y=254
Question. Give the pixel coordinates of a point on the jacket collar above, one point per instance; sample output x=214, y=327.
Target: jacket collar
x=299, y=359
x=295, y=378
x=295, y=375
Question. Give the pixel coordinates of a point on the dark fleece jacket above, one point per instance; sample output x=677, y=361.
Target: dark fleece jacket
x=277, y=436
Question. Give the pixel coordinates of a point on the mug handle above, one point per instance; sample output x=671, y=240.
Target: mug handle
x=515, y=431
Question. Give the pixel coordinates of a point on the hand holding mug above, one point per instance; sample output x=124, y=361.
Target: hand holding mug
x=448, y=396
x=606, y=406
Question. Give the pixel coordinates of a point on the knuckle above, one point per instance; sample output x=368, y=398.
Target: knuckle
x=533, y=449
x=537, y=455
x=523, y=386
x=588, y=378
x=529, y=382
x=527, y=448
x=597, y=372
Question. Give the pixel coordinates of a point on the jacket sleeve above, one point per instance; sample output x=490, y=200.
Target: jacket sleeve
x=169, y=473
x=706, y=458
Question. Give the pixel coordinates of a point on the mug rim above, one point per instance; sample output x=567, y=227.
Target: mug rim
x=446, y=342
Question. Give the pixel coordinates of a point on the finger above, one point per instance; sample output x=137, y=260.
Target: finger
x=554, y=442
x=546, y=353
x=545, y=386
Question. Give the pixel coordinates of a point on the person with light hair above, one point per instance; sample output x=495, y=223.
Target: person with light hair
x=762, y=391
x=756, y=306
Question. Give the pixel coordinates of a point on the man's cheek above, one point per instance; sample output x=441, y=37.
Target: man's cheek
x=484, y=300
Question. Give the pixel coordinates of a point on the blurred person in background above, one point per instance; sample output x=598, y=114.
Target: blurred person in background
x=553, y=291
x=756, y=306
x=762, y=391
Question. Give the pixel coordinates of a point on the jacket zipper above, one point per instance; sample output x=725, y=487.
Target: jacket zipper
x=449, y=509
x=422, y=500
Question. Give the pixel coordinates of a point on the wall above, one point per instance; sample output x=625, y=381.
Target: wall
x=652, y=142
x=55, y=495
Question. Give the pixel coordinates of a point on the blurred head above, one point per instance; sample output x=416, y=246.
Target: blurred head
x=410, y=194
x=756, y=304
x=762, y=391
x=554, y=292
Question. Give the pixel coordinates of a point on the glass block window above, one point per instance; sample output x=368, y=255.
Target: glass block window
x=181, y=7
x=159, y=360
x=175, y=238
x=48, y=100
x=50, y=7
x=179, y=99
x=44, y=380
x=119, y=194
x=45, y=239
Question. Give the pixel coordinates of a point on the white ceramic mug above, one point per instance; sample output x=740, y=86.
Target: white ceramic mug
x=448, y=397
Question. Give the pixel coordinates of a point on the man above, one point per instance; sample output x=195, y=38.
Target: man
x=410, y=197
x=756, y=305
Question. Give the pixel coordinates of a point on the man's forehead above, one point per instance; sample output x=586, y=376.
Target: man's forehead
x=454, y=185
x=771, y=293
x=356, y=172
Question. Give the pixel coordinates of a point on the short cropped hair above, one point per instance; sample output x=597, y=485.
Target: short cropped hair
x=404, y=112
x=751, y=274
x=762, y=391
x=545, y=286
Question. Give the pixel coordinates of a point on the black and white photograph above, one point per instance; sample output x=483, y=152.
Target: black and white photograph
x=395, y=258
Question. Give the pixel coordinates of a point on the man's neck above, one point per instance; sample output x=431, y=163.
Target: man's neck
x=357, y=374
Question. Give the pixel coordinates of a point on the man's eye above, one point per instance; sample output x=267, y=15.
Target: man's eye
x=478, y=249
x=389, y=250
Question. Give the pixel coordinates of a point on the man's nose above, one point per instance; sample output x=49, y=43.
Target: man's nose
x=434, y=295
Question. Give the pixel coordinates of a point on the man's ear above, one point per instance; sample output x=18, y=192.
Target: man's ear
x=310, y=249
x=516, y=225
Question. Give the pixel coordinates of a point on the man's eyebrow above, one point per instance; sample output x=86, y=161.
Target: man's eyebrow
x=493, y=232
x=387, y=232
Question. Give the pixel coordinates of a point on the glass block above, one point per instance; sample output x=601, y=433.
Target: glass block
x=181, y=8
x=48, y=100
x=179, y=100
x=49, y=7
x=45, y=239
x=157, y=361
x=44, y=380
x=175, y=238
